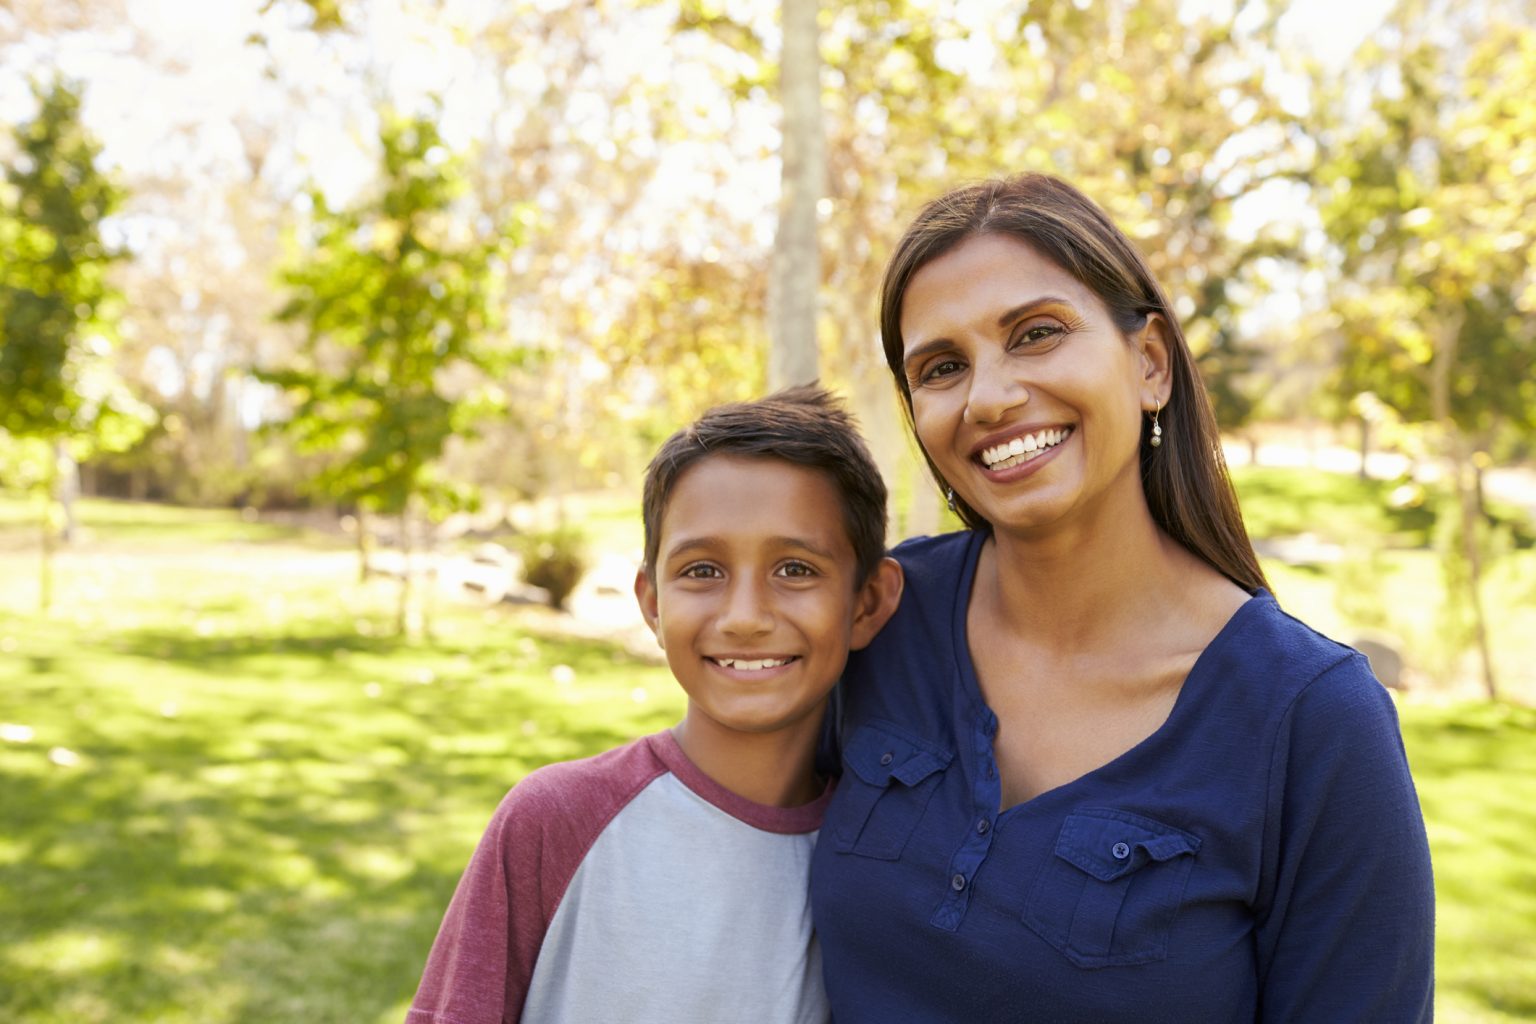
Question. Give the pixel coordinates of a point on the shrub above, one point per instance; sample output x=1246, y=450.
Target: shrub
x=554, y=560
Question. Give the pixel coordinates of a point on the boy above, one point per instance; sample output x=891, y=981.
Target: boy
x=665, y=881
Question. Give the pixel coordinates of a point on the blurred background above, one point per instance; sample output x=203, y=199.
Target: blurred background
x=335, y=336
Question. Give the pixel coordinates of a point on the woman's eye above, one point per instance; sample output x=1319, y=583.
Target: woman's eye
x=941, y=369
x=1037, y=333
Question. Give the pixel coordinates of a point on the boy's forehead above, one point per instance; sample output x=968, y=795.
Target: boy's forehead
x=732, y=490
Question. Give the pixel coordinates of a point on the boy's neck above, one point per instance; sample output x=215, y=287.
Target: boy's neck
x=776, y=769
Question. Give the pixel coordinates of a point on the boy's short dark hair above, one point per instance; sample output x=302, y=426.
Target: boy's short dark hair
x=804, y=425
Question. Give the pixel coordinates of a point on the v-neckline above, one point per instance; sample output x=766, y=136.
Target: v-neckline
x=965, y=668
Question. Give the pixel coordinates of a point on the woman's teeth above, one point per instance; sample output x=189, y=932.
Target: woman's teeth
x=1022, y=449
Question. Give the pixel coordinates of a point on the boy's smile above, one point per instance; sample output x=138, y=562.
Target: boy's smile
x=755, y=594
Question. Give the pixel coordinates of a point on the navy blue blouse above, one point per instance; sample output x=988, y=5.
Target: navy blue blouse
x=1260, y=857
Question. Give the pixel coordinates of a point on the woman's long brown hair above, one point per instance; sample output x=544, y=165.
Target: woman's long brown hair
x=1186, y=482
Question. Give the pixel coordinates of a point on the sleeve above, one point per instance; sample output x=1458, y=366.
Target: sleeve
x=1346, y=930
x=483, y=958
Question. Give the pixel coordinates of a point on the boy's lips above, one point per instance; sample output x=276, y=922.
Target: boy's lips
x=758, y=664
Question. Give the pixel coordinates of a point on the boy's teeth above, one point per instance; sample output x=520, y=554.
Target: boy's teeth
x=753, y=666
x=1022, y=449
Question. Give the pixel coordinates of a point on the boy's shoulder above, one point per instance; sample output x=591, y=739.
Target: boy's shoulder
x=578, y=797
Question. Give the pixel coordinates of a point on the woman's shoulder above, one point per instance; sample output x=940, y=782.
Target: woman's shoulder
x=1297, y=662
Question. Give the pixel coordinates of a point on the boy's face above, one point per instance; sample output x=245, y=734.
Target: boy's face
x=754, y=596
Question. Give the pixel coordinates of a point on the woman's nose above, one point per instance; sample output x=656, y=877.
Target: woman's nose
x=994, y=391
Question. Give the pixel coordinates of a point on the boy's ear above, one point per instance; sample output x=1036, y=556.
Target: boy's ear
x=876, y=602
x=1155, y=344
x=645, y=594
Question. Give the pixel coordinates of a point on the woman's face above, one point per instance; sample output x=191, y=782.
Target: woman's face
x=1025, y=394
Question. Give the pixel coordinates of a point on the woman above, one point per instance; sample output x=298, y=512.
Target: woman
x=1091, y=771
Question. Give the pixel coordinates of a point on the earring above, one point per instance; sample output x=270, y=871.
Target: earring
x=949, y=498
x=1157, y=429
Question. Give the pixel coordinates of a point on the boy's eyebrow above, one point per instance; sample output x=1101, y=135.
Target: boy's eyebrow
x=712, y=543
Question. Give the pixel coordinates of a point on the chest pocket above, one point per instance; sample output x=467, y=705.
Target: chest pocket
x=1111, y=892
x=891, y=776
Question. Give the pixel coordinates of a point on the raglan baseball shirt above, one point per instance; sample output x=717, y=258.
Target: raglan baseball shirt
x=631, y=888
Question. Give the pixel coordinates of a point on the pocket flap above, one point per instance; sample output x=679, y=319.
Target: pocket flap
x=879, y=753
x=1107, y=844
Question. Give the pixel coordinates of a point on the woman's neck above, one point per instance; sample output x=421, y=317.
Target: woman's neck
x=1086, y=582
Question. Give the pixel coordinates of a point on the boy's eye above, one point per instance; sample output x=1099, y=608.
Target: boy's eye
x=796, y=570
x=700, y=571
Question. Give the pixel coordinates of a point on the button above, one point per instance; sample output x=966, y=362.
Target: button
x=983, y=827
x=957, y=883
x=991, y=771
x=887, y=758
x=1121, y=851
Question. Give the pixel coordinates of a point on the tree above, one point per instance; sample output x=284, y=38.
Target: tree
x=1431, y=204
x=794, y=298
x=398, y=300
x=59, y=397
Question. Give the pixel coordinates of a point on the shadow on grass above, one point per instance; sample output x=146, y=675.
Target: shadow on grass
x=281, y=848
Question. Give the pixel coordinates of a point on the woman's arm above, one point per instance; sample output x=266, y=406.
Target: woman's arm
x=1347, y=933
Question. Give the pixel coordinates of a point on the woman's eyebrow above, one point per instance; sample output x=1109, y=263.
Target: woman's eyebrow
x=1028, y=307
x=922, y=350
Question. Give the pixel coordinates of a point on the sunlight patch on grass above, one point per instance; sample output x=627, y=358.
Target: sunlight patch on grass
x=70, y=951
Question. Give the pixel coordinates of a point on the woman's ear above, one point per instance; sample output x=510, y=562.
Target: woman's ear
x=1154, y=343
x=876, y=602
x=645, y=595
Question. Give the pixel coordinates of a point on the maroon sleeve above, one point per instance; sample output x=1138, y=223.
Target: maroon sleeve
x=481, y=963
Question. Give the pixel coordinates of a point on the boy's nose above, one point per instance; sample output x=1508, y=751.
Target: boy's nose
x=746, y=611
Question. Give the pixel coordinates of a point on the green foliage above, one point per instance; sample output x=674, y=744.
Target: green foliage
x=554, y=559
x=1431, y=202
x=399, y=302
x=56, y=306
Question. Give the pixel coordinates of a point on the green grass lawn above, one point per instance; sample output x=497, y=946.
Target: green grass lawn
x=227, y=796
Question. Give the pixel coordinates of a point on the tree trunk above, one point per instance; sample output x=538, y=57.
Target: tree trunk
x=364, y=543
x=923, y=513
x=1466, y=498
x=403, y=614
x=49, y=539
x=428, y=596
x=66, y=488
x=1470, y=521
x=1365, y=447
x=796, y=277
